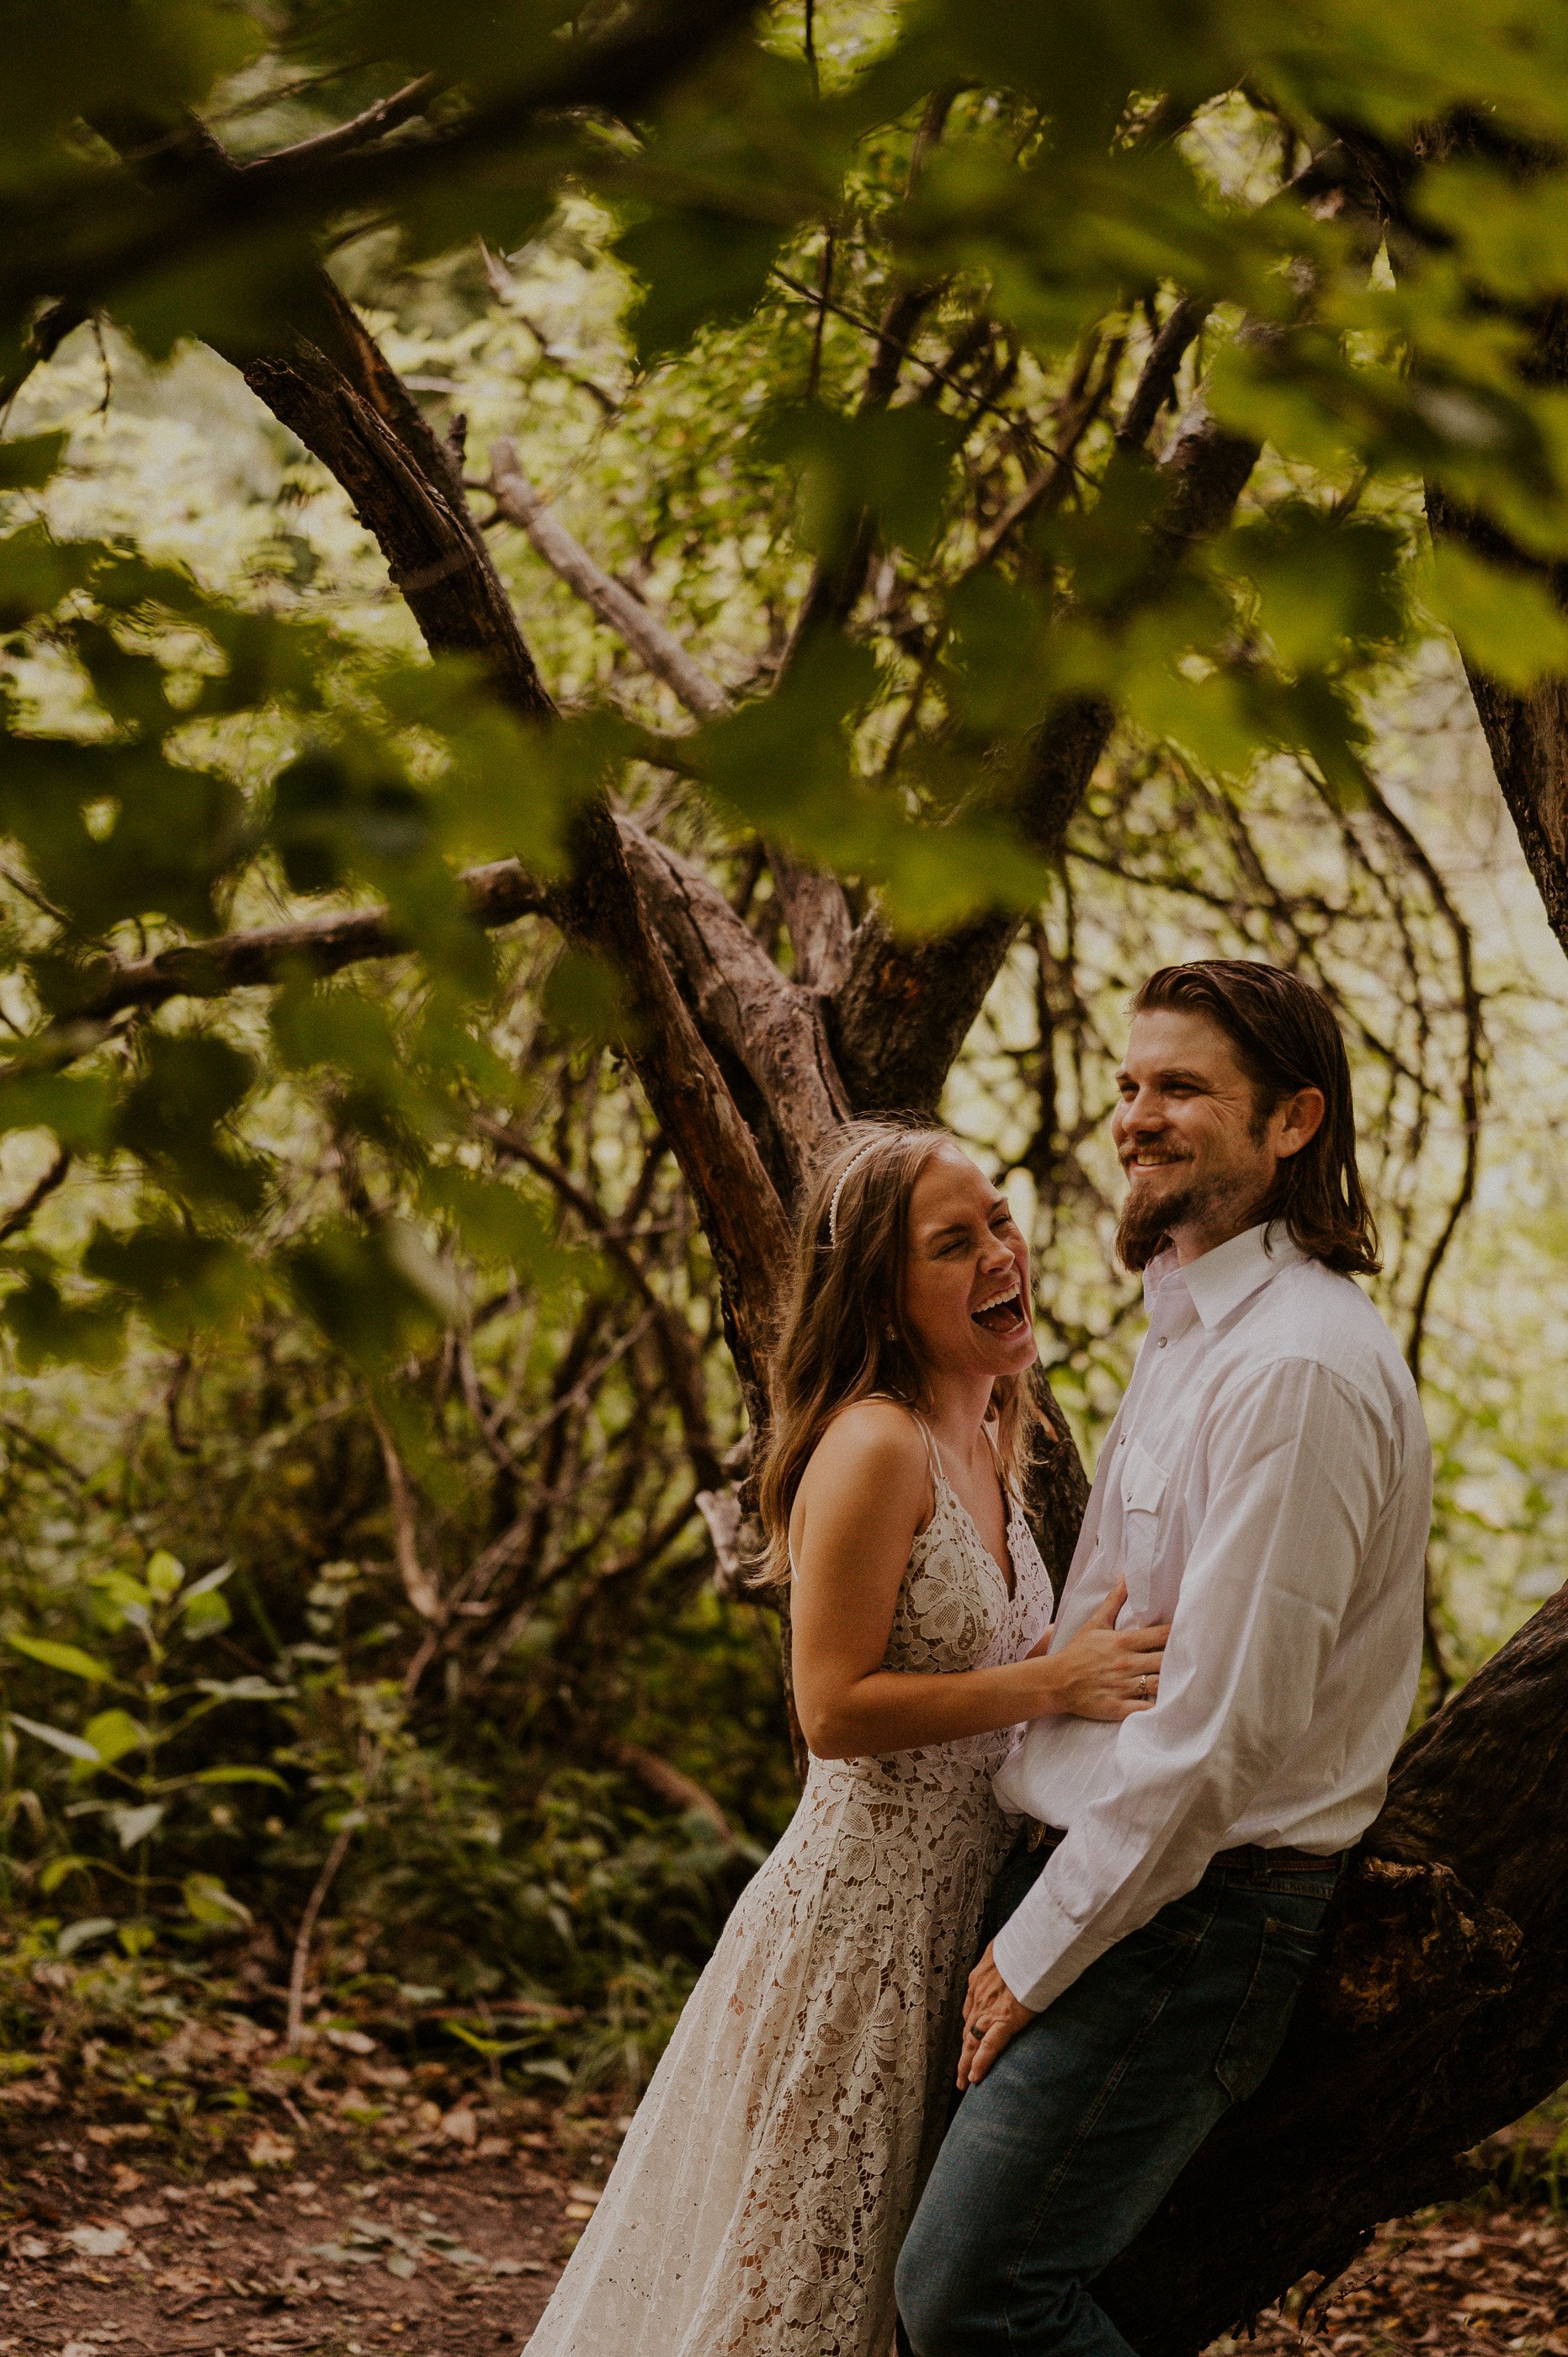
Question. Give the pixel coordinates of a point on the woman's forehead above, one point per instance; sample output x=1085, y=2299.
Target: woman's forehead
x=951, y=1187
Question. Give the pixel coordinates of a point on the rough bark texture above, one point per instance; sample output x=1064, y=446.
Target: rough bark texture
x=1440, y=2012
x=1527, y=734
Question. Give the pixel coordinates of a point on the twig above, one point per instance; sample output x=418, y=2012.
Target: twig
x=357, y=132
x=1010, y=417
x=1157, y=381
x=680, y=1791
x=418, y=1586
x=37, y=1193
x=649, y=639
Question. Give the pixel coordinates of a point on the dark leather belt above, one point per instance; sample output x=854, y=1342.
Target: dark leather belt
x=1255, y=1860
x=1250, y=1856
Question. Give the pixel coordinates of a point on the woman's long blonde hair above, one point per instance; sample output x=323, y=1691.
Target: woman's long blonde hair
x=844, y=1334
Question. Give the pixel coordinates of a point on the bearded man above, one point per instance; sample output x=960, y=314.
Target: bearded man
x=1266, y=1488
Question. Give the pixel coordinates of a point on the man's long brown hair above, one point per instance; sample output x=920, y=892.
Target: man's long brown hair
x=844, y=1334
x=1286, y=1037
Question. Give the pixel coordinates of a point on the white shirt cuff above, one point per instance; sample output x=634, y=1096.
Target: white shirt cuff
x=1040, y=1958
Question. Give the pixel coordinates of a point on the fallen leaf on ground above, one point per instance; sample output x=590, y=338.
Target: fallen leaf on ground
x=98, y=2242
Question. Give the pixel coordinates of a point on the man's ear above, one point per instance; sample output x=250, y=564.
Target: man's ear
x=1298, y=1118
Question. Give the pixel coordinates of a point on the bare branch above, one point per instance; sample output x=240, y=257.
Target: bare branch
x=1155, y=384
x=669, y=1784
x=814, y=904
x=498, y=894
x=649, y=639
x=306, y=155
x=39, y=1193
x=419, y=1587
x=678, y=1355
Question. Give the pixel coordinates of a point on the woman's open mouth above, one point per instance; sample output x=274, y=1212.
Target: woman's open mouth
x=1001, y=1312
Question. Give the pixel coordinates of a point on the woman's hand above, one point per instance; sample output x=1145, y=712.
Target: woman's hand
x=1103, y=1672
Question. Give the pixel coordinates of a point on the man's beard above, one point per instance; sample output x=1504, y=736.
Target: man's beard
x=1147, y=1222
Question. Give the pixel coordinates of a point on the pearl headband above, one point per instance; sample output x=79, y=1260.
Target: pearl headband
x=853, y=1164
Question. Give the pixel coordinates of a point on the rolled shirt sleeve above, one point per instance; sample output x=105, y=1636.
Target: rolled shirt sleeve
x=1297, y=1474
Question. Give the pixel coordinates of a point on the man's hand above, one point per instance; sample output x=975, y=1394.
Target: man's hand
x=993, y=2018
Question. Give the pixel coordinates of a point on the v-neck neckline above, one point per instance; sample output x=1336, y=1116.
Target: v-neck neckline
x=1009, y=1577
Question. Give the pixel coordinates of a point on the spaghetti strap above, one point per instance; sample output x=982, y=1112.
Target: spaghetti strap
x=1009, y=1495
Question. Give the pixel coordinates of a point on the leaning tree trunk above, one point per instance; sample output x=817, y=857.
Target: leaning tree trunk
x=1439, y=2012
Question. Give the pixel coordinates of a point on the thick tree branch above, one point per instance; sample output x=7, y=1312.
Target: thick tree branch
x=1526, y=732
x=497, y=894
x=766, y=1026
x=903, y=1012
x=1157, y=381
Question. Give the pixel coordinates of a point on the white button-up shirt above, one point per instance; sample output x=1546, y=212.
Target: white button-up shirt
x=1266, y=1487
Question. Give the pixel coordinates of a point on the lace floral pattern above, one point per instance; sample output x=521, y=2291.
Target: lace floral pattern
x=759, y=2200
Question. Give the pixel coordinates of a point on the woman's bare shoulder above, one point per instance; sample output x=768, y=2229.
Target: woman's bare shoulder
x=871, y=1439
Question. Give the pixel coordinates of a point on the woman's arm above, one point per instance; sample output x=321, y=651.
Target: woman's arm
x=864, y=1496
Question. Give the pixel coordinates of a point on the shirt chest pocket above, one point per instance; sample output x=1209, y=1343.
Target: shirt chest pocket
x=1143, y=1485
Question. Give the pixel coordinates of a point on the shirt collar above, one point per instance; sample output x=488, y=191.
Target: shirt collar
x=1220, y=1280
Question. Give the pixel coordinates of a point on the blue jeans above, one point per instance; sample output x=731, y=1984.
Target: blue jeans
x=1066, y=2148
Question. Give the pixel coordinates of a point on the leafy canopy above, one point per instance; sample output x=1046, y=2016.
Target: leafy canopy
x=1061, y=176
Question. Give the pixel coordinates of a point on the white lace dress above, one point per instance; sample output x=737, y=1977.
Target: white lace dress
x=761, y=2195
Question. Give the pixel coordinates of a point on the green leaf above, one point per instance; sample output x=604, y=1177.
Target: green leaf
x=164, y=1575
x=59, y=1868
x=247, y=1689
x=174, y=1115
x=585, y=998
x=1505, y=621
x=203, y=1616
x=27, y=464
x=239, y=1775
x=49, y=1328
x=36, y=572
x=694, y=266
x=74, y=1746
x=1318, y=580
x=373, y=1294
x=206, y=1900
x=78, y=1107
x=114, y=1733
x=184, y=1285
x=893, y=464
x=57, y=1656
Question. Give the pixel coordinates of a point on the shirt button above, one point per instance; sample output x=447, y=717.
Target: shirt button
x=1164, y=1340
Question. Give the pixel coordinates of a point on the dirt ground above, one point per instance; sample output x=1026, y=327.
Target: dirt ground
x=429, y=2263
x=455, y=2256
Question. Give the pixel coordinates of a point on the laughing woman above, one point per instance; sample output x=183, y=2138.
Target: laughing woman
x=760, y=2197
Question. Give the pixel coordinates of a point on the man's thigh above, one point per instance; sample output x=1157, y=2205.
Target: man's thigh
x=1065, y=2149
